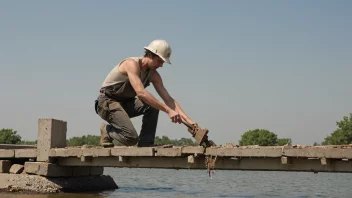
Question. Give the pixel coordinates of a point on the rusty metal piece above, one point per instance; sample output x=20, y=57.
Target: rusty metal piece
x=210, y=164
x=199, y=134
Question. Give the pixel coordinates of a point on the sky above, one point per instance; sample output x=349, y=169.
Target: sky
x=284, y=66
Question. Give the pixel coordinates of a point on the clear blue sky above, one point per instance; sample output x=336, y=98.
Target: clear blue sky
x=284, y=66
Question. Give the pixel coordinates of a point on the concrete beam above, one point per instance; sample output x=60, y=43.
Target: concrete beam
x=96, y=152
x=262, y=164
x=16, y=146
x=47, y=169
x=169, y=152
x=196, y=150
x=65, y=152
x=25, y=153
x=5, y=153
x=132, y=151
x=53, y=170
x=319, y=152
x=222, y=163
x=244, y=152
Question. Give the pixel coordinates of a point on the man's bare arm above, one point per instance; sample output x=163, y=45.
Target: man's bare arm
x=132, y=69
x=169, y=101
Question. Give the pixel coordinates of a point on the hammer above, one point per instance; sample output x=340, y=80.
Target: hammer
x=200, y=135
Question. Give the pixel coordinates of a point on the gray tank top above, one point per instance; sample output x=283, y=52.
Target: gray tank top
x=117, y=85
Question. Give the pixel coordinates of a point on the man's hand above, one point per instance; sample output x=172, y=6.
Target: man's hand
x=174, y=116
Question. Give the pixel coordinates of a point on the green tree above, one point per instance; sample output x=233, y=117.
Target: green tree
x=182, y=142
x=259, y=137
x=9, y=136
x=343, y=133
x=316, y=144
x=284, y=141
x=93, y=140
x=24, y=142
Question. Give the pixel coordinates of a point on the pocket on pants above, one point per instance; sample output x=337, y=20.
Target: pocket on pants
x=102, y=110
x=113, y=106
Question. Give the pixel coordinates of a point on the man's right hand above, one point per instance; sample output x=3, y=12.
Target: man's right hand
x=174, y=116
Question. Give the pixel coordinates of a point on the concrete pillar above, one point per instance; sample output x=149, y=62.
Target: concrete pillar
x=51, y=134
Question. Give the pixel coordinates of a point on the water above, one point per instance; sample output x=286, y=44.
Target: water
x=196, y=183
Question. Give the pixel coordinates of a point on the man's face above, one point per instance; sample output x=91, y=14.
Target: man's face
x=156, y=62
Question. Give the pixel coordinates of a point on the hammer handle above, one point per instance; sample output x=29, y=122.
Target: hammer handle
x=188, y=124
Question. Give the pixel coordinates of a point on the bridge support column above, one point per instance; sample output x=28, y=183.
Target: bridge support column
x=51, y=134
x=56, y=178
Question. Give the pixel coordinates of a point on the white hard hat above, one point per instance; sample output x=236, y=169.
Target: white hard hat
x=160, y=48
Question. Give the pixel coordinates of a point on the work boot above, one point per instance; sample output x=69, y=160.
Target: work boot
x=105, y=140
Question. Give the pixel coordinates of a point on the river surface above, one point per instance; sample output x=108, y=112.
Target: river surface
x=196, y=183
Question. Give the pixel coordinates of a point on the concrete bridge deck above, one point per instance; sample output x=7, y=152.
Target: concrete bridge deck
x=51, y=150
x=228, y=157
x=82, y=168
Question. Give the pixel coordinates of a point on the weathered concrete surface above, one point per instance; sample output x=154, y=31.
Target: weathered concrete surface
x=222, y=163
x=25, y=153
x=149, y=156
x=66, y=152
x=5, y=166
x=5, y=153
x=96, y=152
x=16, y=146
x=132, y=151
x=35, y=183
x=53, y=170
x=333, y=152
x=169, y=152
x=126, y=151
x=197, y=150
x=16, y=169
x=51, y=134
x=47, y=169
x=245, y=152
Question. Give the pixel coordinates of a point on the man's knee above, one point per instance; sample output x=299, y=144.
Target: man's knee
x=132, y=139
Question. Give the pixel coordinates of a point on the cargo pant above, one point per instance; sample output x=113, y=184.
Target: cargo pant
x=120, y=127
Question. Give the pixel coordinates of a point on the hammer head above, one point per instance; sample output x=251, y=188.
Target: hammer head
x=201, y=136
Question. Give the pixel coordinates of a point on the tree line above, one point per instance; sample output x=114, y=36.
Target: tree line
x=261, y=137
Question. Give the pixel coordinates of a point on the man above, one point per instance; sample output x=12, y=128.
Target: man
x=123, y=96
